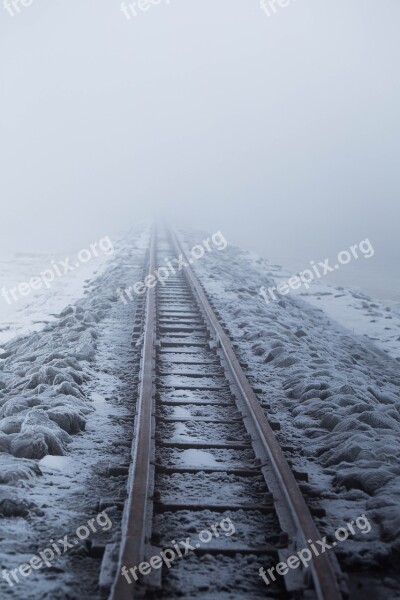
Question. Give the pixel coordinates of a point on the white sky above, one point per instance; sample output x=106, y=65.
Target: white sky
x=283, y=132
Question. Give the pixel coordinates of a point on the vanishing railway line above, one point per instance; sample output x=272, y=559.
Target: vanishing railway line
x=204, y=451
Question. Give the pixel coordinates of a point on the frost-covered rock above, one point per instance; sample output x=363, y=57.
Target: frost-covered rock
x=84, y=352
x=67, y=311
x=12, y=424
x=38, y=436
x=90, y=317
x=16, y=405
x=68, y=419
x=38, y=420
x=29, y=445
x=370, y=480
x=14, y=470
x=5, y=442
x=13, y=506
x=65, y=400
x=68, y=388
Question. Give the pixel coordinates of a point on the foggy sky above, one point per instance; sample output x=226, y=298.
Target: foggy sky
x=282, y=132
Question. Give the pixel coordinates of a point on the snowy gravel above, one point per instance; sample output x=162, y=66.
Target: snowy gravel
x=335, y=394
x=65, y=416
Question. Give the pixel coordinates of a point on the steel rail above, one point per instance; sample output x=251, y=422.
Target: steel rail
x=324, y=578
x=136, y=510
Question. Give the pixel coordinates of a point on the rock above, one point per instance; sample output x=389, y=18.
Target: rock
x=67, y=311
x=29, y=445
x=15, y=405
x=39, y=436
x=69, y=389
x=11, y=424
x=300, y=333
x=5, y=442
x=68, y=419
x=274, y=354
x=15, y=470
x=368, y=480
x=12, y=506
x=84, y=352
x=90, y=318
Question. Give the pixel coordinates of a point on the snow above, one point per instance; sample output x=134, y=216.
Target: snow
x=352, y=307
x=63, y=464
x=33, y=311
x=331, y=386
x=325, y=361
x=372, y=318
x=198, y=458
x=65, y=416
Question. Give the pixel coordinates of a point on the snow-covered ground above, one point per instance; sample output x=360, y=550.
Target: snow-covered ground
x=31, y=312
x=65, y=416
x=352, y=307
x=327, y=361
x=327, y=364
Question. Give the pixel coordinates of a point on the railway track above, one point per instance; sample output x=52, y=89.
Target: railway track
x=204, y=454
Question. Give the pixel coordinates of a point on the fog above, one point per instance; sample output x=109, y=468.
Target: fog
x=280, y=131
